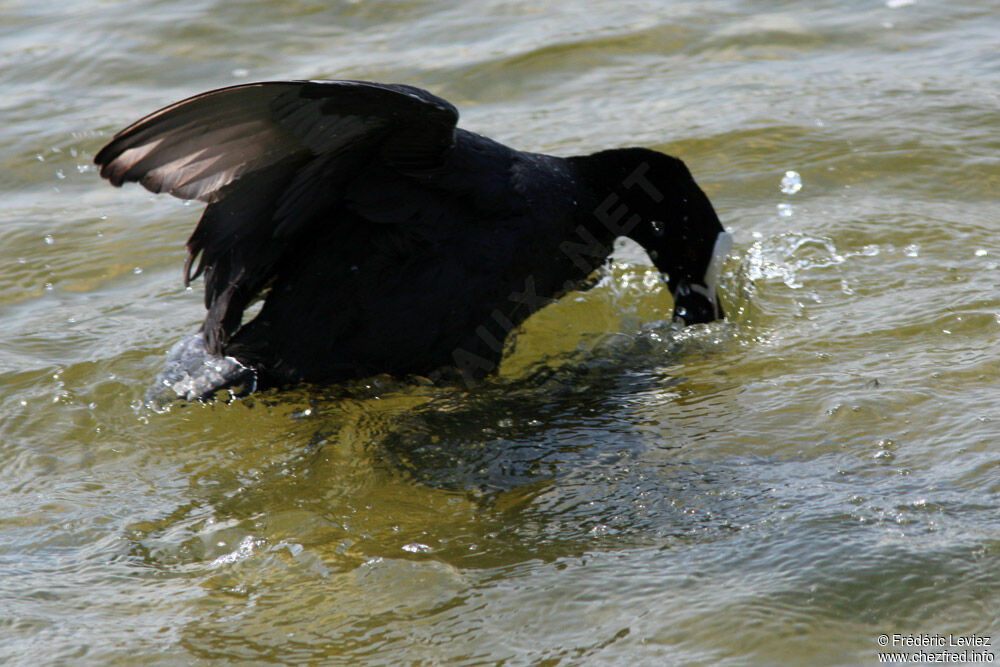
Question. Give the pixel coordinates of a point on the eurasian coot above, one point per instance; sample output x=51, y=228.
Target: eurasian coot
x=384, y=239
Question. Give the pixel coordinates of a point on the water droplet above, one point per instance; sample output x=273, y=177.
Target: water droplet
x=137, y=270
x=982, y=252
x=791, y=183
x=658, y=227
x=60, y=175
x=785, y=210
x=417, y=548
x=49, y=239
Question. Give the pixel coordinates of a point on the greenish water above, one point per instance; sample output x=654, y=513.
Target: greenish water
x=780, y=488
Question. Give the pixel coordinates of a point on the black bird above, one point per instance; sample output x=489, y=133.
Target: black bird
x=383, y=238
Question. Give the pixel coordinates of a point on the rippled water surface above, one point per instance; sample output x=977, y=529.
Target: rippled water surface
x=782, y=487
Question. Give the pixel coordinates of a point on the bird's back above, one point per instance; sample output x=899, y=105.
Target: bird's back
x=402, y=272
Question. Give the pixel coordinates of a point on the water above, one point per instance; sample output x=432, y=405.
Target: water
x=783, y=487
x=791, y=182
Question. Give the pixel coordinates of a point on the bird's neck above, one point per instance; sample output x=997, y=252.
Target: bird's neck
x=616, y=193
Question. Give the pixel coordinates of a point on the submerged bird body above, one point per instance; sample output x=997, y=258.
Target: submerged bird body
x=384, y=238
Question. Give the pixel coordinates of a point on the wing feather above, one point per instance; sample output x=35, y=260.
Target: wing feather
x=267, y=157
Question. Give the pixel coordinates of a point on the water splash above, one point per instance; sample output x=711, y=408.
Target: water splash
x=243, y=551
x=782, y=258
x=791, y=182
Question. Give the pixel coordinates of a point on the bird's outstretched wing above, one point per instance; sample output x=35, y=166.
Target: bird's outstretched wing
x=267, y=157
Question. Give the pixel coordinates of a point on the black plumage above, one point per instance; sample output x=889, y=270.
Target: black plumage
x=386, y=239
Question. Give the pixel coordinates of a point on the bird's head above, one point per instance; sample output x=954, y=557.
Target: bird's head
x=657, y=204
